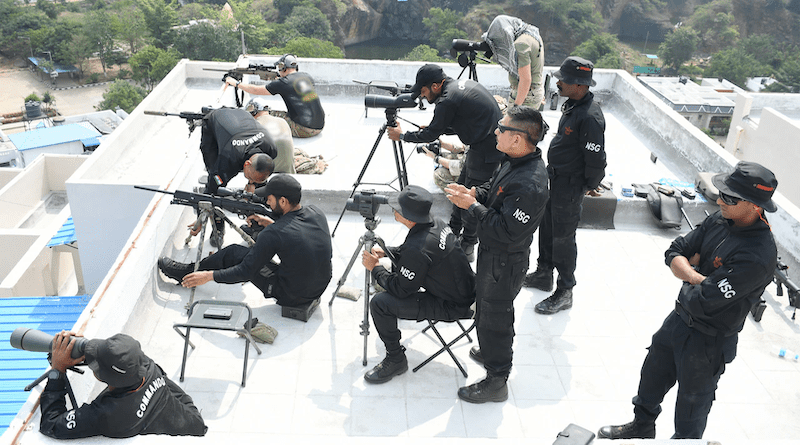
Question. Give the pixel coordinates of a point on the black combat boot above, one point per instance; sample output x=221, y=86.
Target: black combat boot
x=634, y=430
x=394, y=364
x=173, y=269
x=541, y=279
x=491, y=389
x=559, y=301
x=475, y=354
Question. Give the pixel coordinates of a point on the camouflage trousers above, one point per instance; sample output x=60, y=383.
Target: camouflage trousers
x=298, y=130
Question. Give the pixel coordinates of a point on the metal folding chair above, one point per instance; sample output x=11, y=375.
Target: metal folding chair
x=447, y=345
x=203, y=316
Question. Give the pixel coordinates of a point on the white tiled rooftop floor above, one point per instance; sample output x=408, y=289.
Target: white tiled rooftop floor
x=580, y=366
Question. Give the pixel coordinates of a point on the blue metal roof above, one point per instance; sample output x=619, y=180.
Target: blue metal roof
x=65, y=235
x=19, y=368
x=59, y=67
x=45, y=137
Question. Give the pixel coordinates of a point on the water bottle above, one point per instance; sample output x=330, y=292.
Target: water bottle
x=789, y=355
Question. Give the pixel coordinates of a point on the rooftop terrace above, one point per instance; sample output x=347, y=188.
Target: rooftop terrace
x=580, y=366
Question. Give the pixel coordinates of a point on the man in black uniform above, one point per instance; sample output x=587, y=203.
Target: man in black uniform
x=299, y=236
x=429, y=258
x=305, y=115
x=724, y=264
x=508, y=210
x=232, y=142
x=576, y=165
x=140, y=398
x=464, y=108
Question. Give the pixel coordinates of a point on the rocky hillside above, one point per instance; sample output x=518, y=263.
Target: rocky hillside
x=628, y=19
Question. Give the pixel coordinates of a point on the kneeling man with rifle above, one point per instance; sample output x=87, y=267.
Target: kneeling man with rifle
x=299, y=235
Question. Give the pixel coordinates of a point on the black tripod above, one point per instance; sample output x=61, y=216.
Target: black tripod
x=366, y=242
x=71, y=394
x=399, y=161
x=467, y=60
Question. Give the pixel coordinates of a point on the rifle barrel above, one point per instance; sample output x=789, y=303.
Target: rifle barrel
x=156, y=113
x=151, y=189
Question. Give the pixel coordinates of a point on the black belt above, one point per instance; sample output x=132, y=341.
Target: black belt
x=698, y=325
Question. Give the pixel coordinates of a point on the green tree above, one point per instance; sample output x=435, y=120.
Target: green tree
x=49, y=8
x=597, y=48
x=99, y=28
x=309, y=22
x=735, y=65
x=150, y=65
x=285, y=7
x=309, y=47
x=16, y=23
x=250, y=22
x=122, y=94
x=764, y=48
x=789, y=73
x=678, y=46
x=205, y=41
x=579, y=16
x=129, y=24
x=715, y=25
x=441, y=24
x=424, y=53
x=79, y=49
x=159, y=17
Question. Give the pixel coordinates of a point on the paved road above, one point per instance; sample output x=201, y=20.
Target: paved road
x=15, y=84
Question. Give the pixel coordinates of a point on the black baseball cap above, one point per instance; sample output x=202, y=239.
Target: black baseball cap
x=576, y=71
x=414, y=204
x=117, y=361
x=751, y=182
x=282, y=186
x=428, y=74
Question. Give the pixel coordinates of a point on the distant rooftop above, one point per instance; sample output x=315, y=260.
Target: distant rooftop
x=685, y=96
x=45, y=137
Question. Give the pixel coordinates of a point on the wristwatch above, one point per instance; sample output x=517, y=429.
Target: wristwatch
x=55, y=374
x=436, y=159
x=402, y=137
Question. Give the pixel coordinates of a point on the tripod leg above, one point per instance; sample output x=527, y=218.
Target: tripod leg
x=247, y=238
x=368, y=242
x=341, y=281
x=361, y=175
x=204, y=218
x=402, y=171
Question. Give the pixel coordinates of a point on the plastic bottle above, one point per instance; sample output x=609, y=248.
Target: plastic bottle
x=788, y=355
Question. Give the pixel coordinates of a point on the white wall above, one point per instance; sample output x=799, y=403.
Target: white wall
x=771, y=142
x=67, y=148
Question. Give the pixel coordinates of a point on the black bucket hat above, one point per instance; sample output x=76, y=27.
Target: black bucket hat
x=414, y=204
x=117, y=361
x=428, y=74
x=576, y=71
x=751, y=182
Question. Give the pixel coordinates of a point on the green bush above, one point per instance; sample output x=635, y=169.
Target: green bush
x=123, y=74
x=32, y=96
x=94, y=78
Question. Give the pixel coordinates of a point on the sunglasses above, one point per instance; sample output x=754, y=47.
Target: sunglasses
x=728, y=199
x=504, y=128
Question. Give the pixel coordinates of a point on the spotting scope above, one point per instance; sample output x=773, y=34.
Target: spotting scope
x=37, y=341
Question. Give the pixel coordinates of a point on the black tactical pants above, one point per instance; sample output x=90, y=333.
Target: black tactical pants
x=499, y=280
x=232, y=255
x=387, y=309
x=695, y=361
x=562, y=213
